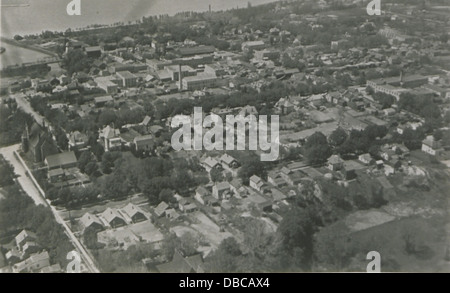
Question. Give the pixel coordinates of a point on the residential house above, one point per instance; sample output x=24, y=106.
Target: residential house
x=431, y=146
x=172, y=214
x=144, y=143
x=77, y=141
x=284, y=106
x=23, y=237
x=113, y=218
x=89, y=220
x=222, y=190
x=275, y=178
x=160, y=210
x=29, y=248
x=335, y=163
x=229, y=161
x=187, y=206
x=110, y=138
x=388, y=169
x=293, y=178
x=34, y=262
x=135, y=213
x=201, y=195
x=210, y=163
x=349, y=169
x=13, y=256
x=379, y=164
x=333, y=97
x=366, y=159
x=256, y=183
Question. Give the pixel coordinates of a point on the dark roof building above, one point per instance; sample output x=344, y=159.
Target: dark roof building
x=196, y=50
x=180, y=264
x=63, y=160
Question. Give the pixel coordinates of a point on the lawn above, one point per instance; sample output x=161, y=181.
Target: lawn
x=428, y=235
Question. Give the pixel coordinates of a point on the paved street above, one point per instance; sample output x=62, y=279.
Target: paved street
x=23, y=104
x=24, y=181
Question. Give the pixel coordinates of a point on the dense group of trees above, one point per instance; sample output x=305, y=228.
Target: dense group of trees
x=77, y=61
x=316, y=149
x=12, y=124
x=423, y=106
x=362, y=141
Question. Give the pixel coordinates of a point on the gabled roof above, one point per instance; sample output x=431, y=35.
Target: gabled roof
x=177, y=265
x=29, y=244
x=39, y=256
x=222, y=185
x=161, y=208
x=61, y=159
x=210, y=162
x=227, y=159
x=146, y=120
x=23, y=235
x=195, y=262
x=88, y=219
x=172, y=213
x=335, y=159
x=77, y=136
x=13, y=253
x=256, y=179
x=110, y=214
x=131, y=210
x=365, y=157
x=109, y=132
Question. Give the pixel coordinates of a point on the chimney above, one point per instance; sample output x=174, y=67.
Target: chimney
x=209, y=8
x=401, y=78
x=180, y=78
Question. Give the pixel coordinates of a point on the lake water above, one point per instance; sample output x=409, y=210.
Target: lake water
x=17, y=55
x=51, y=15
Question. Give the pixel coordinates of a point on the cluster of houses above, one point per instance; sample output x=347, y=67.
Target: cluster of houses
x=62, y=170
x=25, y=255
x=113, y=218
x=113, y=139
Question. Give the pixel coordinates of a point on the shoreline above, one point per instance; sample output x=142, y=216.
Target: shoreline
x=28, y=47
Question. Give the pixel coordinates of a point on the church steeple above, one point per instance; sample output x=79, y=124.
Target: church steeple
x=25, y=139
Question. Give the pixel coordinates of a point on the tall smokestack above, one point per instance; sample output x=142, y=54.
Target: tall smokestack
x=180, y=78
x=209, y=8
